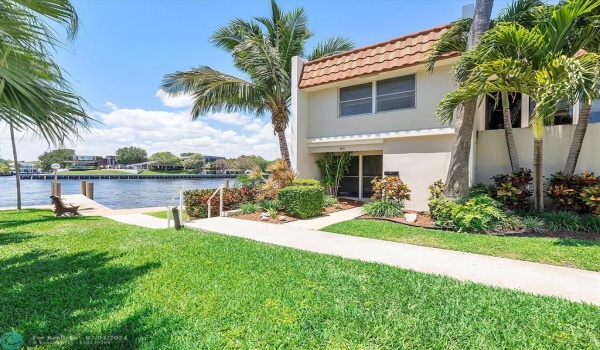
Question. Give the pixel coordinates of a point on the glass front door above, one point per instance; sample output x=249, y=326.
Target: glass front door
x=350, y=186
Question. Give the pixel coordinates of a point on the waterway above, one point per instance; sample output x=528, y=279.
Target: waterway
x=115, y=194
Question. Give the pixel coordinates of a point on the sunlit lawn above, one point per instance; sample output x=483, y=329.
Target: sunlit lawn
x=92, y=283
x=94, y=172
x=581, y=254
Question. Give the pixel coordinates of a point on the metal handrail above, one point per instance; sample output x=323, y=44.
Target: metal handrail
x=220, y=189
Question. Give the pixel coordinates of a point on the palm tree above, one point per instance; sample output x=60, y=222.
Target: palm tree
x=34, y=95
x=455, y=40
x=262, y=49
x=541, y=63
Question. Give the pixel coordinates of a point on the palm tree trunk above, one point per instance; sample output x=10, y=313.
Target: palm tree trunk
x=283, y=147
x=538, y=168
x=508, y=132
x=17, y=169
x=457, y=180
x=578, y=137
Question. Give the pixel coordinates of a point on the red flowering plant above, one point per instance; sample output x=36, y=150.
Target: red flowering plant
x=391, y=189
x=565, y=191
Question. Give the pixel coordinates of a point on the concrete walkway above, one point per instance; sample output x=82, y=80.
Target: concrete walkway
x=572, y=284
x=326, y=220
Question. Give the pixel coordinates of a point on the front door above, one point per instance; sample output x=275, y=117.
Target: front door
x=357, y=183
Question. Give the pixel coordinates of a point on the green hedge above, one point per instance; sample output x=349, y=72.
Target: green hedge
x=302, y=201
x=195, y=200
x=306, y=182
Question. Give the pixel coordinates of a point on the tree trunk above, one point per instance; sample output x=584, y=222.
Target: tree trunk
x=508, y=132
x=17, y=169
x=285, y=154
x=578, y=137
x=538, y=169
x=457, y=180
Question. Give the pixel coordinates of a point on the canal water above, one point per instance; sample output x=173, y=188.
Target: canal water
x=115, y=194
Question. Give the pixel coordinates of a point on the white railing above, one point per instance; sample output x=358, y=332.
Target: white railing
x=220, y=190
x=169, y=206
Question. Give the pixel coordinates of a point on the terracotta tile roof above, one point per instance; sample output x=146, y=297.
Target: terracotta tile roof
x=406, y=51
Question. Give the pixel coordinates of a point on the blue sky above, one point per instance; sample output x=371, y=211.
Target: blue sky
x=126, y=46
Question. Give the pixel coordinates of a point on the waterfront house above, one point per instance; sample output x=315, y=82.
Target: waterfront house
x=24, y=168
x=83, y=162
x=379, y=103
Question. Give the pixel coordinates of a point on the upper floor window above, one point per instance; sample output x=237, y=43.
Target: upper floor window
x=563, y=115
x=495, y=113
x=396, y=93
x=390, y=94
x=356, y=99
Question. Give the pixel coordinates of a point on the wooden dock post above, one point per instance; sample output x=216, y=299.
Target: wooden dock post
x=55, y=189
x=226, y=183
x=83, y=187
x=89, y=190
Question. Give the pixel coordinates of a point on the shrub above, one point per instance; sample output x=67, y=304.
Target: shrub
x=565, y=191
x=270, y=204
x=511, y=189
x=249, y=208
x=390, y=188
x=306, y=182
x=481, y=189
x=387, y=209
x=436, y=190
x=562, y=221
x=195, y=200
x=590, y=223
x=440, y=210
x=534, y=224
x=591, y=197
x=478, y=214
x=511, y=223
x=302, y=201
x=329, y=201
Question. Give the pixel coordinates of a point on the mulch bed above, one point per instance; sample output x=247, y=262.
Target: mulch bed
x=425, y=221
x=343, y=205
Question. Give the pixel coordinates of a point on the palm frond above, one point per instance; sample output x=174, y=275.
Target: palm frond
x=452, y=40
x=330, y=46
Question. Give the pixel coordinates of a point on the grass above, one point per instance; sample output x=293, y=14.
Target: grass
x=163, y=215
x=162, y=172
x=93, y=172
x=563, y=252
x=97, y=284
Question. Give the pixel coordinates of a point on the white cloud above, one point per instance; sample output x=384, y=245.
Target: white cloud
x=111, y=105
x=159, y=130
x=175, y=101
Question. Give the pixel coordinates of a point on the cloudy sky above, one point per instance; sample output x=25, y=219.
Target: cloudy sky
x=125, y=47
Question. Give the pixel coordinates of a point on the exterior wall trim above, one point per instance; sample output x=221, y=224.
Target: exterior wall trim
x=375, y=138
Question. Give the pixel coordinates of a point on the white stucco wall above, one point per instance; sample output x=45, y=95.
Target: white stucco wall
x=420, y=161
x=322, y=104
x=492, y=155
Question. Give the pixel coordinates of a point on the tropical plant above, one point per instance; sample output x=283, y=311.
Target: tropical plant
x=478, y=214
x=436, y=190
x=512, y=189
x=301, y=201
x=544, y=67
x=333, y=168
x=329, y=201
x=385, y=209
x=565, y=190
x=262, y=49
x=270, y=204
x=35, y=94
x=390, y=188
x=534, y=224
x=249, y=208
x=591, y=197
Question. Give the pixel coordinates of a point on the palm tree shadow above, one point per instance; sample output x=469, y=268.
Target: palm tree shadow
x=46, y=295
x=44, y=216
x=15, y=237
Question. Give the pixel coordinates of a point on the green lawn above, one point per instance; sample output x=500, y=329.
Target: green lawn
x=92, y=283
x=162, y=172
x=163, y=215
x=93, y=172
x=563, y=252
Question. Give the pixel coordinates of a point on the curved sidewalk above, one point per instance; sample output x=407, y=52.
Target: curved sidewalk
x=573, y=284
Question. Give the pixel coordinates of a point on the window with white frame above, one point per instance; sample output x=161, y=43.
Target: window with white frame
x=595, y=112
x=396, y=93
x=390, y=94
x=356, y=99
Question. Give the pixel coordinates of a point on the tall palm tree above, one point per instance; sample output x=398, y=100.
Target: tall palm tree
x=455, y=40
x=262, y=48
x=34, y=95
x=541, y=63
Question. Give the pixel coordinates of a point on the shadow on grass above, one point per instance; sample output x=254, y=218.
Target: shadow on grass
x=577, y=243
x=15, y=237
x=18, y=218
x=45, y=294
